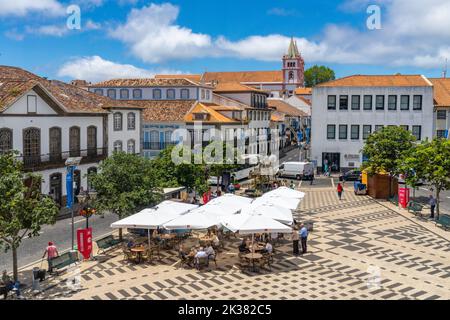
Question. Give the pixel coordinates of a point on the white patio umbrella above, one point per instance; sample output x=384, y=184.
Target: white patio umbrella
x=285, y=192
x=250, y=224
x=196, y=219
x=288, y=203
x=227, y=204
x=277, y=213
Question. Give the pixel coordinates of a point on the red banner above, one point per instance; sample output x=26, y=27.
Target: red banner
x=403, y=197
x=84, y=242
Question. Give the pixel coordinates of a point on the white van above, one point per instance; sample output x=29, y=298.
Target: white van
x=298, y=170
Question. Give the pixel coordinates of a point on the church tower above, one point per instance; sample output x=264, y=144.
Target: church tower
x=293, y=69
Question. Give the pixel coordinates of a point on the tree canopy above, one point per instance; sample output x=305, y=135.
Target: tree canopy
x=23, y=209
x=318, y=74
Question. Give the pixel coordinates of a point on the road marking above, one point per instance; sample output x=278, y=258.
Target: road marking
x=75, y=222
x=299, y=184
x=424, y=189
x=332, y=182
x=40, y=232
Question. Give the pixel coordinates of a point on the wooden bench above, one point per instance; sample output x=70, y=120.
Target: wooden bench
x=106, y=243
x=444, y=221
x=415, y=208
x=64, y=260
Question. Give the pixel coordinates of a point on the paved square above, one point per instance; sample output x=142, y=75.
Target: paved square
x=359, y=249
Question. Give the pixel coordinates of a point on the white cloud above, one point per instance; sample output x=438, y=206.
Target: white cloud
x=48, y=30
x=14, y=35
x=23, y=7
x=95, y=68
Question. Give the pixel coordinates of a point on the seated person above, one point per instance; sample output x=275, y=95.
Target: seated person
x=130, y=244
x=210, y=252
x=200, y=254
x=215, y=240
x=268, y=248
x=183, y=254
x=243, y=247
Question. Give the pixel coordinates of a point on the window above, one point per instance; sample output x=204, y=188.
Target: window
x=207, y=94
x=392, y=102
x=417, y=102
x=203, y=94
x=356, y=102
x=441, y=133
x=31, y=145
x=342, y=131
x=131, y=146
x=74, y=141
x=117, y=121
x=331, y=131
x=137, y=93
x=367, y=130
x=355, y=132
x=55, y=143
x=331, y=102
x=184, y=93
x=171, y=94
x=6, y=136
x=378, y=127
x=404, y=103
x=124, y=94
x=379, y=105
x=131, y=121
x=98, y=91
x=157, y=94
x=168, y=137
x=343, y=102
x=404, y=127
x=92, y=141
x=118, y=146
x=417, y=132
x=111, y=93
x=441, y=114
x=31, y=104
x=367, y=102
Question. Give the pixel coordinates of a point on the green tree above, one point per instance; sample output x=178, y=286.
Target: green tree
x=318, y=74
x=125, y=183
x=430, y=160
x=23, y=209
x=223, y=163
x=385, y=149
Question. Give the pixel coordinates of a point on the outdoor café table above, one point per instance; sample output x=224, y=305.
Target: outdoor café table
x=253, y=257
x=138, y=251
x=168, y=236
x=256, y=247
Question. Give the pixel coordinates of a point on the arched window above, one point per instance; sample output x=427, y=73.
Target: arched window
x=111, y=93
x=6, y=140
x=31, y=146
x=168, y=138
x=131, y=146
x=291, y=75
x=184, y=93
x=154, y=140
x=124, y=94
x=118, y=146
x=55, y=143
x=157, y=94
x=117, y=121
x=92, y=140
x=137, y=93
x=171, y=94
x=74, y=141
x=131, y=121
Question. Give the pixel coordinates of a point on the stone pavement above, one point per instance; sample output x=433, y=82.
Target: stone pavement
x=359, y=249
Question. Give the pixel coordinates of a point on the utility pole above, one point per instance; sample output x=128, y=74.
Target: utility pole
x=444, y=71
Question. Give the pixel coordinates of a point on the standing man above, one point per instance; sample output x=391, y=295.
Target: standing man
x=432, y=203
x=340, y=189
x=304, y=237
x=295, y=240
x=52, y=252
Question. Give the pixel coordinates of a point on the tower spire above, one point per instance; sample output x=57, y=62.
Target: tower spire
x=293, y=50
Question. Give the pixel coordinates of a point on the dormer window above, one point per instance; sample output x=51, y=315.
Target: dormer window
x=171, y=94
x=124, y=94
x=111, y=93
x=207, y=94
x=200, y=116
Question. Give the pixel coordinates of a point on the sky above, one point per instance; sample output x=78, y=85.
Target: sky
x=140, y=38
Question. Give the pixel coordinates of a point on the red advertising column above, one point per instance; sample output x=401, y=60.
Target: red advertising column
x=403, y=197
x=84, y=242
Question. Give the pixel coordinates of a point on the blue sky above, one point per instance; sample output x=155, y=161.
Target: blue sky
x=140, y=38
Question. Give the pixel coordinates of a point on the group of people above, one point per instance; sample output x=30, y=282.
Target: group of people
x=246, y=243
x=197, y=253
x=299, y=236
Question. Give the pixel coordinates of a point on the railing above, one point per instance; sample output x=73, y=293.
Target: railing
x=157, y=145
x=31, y=162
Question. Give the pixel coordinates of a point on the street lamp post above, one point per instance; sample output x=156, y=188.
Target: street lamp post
x=71, y=164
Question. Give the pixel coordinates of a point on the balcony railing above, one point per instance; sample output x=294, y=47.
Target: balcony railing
x=44, y=161
x=157, y=145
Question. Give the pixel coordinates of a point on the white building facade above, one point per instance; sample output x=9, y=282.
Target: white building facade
x=346, y=111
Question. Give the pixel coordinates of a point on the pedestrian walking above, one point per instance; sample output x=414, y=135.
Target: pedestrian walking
x=312, y=180
x=432, y=203
x=295, y=239
x=303, y=237
x=52, y=252
x=340, y=189
x=292, y=185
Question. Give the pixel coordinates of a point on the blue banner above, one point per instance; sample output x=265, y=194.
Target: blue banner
x=69, y=186
x=308, y=133
x=300, y=136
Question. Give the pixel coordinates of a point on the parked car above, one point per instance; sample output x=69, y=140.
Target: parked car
x=297, y=170
x=352, y=175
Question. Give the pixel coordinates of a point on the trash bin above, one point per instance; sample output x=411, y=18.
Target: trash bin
x=36, y=271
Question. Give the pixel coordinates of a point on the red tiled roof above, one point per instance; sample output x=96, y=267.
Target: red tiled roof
x=223, y=87
x=192, y=77
x=441, y=89
x=285, y=108
x=244, y=76
x=164, y=110
x=397, y=80
x=147, y=82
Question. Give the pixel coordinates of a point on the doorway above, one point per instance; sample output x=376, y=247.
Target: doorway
x=56, y=187
x=332, y=160
x=76, y=184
